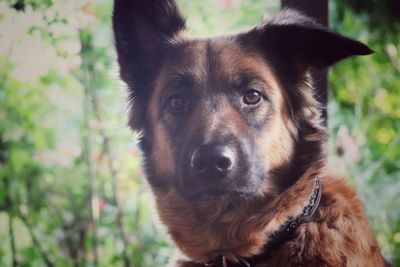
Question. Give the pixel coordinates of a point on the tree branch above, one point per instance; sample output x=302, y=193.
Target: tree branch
x=9, y=207
x=36, y=242
x=12, y=240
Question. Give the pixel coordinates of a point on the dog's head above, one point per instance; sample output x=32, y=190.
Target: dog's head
x=225, y=118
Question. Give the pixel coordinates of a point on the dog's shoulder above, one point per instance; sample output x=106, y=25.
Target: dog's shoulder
x=339, y=197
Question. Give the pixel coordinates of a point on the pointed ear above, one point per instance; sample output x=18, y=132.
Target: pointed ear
x=141, y=28
x=300, y=40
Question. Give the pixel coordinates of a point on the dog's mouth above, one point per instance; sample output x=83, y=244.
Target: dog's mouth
x=243, y=187
x=217, y=195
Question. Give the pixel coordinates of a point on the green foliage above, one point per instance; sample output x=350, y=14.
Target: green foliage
x=61, y=102
x=209, y=17
x=69, y=168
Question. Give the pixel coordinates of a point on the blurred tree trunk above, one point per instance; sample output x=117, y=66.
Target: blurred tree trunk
x=89, y=76
x=86, y=78
x=317, y=9
x=91, y=174
x=113, y=173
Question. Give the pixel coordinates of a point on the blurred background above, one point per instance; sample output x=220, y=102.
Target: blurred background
x=71, y=189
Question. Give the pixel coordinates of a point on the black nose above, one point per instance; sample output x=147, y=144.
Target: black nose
x=212, y=160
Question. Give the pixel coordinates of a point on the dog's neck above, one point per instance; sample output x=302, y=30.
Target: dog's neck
x=276, y=238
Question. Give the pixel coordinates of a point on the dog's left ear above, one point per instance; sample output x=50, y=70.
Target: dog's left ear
x=298, y=39
x=141, y=29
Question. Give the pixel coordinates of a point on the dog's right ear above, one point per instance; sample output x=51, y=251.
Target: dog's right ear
x=141, y=27
x=296, y=39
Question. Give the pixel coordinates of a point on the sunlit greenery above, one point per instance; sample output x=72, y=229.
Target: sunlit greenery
x=71, y=189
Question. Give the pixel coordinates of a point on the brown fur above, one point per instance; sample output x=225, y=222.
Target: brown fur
x=285, y=133
x=338, y=234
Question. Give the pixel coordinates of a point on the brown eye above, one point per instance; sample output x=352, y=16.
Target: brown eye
x=176, y=103
x=252, y=97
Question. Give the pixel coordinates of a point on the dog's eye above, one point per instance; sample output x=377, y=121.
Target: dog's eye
x=252, y=97
x=176, y=103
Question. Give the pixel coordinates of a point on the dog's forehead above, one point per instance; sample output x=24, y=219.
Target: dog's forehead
x=213, y=63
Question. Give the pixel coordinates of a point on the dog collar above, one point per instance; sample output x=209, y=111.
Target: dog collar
x=276, y=238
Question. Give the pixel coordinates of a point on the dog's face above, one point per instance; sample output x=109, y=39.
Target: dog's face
x=218, y=121
x=225, y=118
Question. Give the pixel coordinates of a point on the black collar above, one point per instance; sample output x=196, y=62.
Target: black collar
x=277, y=238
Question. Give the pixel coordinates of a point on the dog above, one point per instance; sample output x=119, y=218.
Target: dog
x=233, y=142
